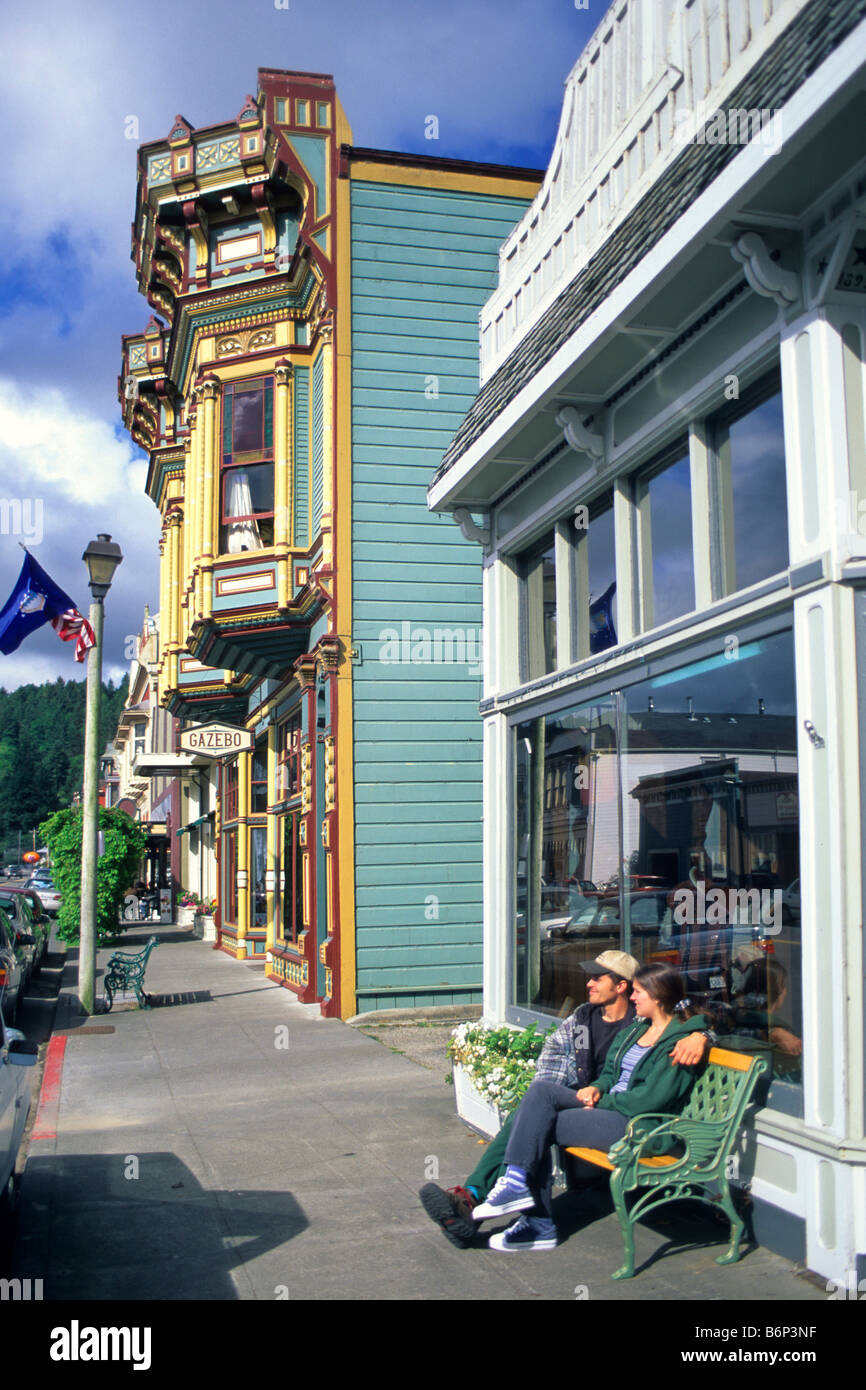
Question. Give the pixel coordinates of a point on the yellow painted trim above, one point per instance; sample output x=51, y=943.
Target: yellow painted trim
x=342, y=543
x=450, y=179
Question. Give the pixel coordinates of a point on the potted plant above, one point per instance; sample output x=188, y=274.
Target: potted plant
x=491, y=1070
x=207, y=908
x=187, y=907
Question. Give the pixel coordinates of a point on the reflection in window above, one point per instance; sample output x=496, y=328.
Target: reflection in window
x=247, y=486
x=259, y=778
x=680, y=843
x=258, y=895
x=664, y=507
x=750, y=451
x=597, y=580
x=711, y=844
x=567, y=846
x=292, y=915
x=538, y=570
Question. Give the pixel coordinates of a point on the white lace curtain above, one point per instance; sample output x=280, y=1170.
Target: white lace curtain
x=242, y=535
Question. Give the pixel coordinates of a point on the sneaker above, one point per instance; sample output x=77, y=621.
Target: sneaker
x=502, y=1199
x=452, y=1210
x=526, y=1234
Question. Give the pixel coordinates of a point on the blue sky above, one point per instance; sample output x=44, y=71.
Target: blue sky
x=74, y=73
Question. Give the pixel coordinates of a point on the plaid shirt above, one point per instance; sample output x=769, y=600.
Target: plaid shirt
x=567, y=1056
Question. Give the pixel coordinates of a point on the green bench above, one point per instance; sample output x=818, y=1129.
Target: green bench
x=704, y=1136
x=125, y=970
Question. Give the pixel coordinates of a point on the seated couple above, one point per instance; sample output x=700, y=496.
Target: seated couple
x=610, y=1060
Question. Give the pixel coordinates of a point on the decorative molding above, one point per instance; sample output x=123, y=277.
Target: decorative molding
x=471, y=530
x=582, y=440
x=765, y=276
x=250, y=340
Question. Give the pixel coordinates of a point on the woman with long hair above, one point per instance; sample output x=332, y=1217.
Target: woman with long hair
x=639, y=1077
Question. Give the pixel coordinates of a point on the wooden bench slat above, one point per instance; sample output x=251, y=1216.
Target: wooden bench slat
x=601, y=1160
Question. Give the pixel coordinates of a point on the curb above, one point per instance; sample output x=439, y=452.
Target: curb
x=45, y=1125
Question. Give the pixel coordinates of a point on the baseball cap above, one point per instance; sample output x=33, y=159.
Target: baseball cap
x=617, y=961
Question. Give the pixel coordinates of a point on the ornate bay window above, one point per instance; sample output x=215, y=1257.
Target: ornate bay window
x=247, y=466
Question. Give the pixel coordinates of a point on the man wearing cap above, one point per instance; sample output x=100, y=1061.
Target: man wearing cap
x=572, y=1056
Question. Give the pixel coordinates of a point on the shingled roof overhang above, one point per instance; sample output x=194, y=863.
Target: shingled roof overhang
x=811, y=73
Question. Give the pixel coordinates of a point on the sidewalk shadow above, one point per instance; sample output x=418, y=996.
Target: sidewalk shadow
x=682, y=1225
x=91, y=1229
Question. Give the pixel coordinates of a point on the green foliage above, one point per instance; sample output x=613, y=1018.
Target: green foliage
x=500, y=1061
x=125, y=842
x=42, y=749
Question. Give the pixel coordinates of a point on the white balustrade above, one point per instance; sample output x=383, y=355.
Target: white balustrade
x=648, y=62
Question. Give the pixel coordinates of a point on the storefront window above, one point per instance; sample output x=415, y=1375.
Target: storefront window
x=259, y=778
x=567, y=846
x=288, y=758
x=292, y=907
x=230, y=876
x=230, y=790
x=258, y=865
x=676, y=840
x=538, y=571
x=748, y=441
x=664, y=510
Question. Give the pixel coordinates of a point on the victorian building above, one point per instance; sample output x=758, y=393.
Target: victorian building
x=666, y=465
x=310, y=353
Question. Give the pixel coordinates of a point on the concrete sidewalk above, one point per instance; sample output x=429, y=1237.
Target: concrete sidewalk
x=231, y=1144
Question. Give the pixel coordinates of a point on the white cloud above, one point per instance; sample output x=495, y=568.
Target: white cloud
x=85, y=480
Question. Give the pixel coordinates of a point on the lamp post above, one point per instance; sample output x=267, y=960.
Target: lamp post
x=102, y=557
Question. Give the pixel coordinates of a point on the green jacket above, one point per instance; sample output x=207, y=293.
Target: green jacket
x=657, y=1085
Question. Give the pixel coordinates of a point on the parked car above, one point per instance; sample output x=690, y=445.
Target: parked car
x=16, y=1055
x=13, y=968
x=47, y=892
x=28, y=938
x=40, y=922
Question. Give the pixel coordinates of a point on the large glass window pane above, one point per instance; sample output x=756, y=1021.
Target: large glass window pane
x=664, y=500
x=538, y=570
x=711, y=845
x=258, y=864
x=567, y=835
x=248, y=421
x=601, y=616
x=750, y=452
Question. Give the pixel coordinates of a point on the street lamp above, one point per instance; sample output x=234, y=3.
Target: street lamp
x=102, y=557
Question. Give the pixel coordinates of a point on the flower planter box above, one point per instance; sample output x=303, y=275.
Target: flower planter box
x=208, y=928
x=476, y=1110
x=185, y=916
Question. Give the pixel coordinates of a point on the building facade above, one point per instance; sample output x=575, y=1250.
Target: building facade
x=311, y=351
x=666, y=468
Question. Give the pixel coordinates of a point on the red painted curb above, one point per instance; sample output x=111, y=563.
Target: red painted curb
x=45, y=1126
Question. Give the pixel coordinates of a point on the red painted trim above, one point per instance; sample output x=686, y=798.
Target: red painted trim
x=49, y=1097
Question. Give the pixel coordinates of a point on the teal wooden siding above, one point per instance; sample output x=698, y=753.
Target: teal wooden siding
x=423, y=263
x=318, y=440
x=302, y=456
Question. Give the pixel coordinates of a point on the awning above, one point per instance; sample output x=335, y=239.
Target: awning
x=167, y=764
x=184, y=829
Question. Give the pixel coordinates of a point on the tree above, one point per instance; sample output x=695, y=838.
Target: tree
x=125, y=841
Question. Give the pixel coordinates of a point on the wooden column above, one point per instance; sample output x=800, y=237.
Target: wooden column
x=209, y=391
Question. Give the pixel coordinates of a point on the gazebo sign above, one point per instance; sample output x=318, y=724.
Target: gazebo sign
x=215, y=740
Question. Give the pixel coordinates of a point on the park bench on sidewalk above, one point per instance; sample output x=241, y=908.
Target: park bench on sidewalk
x=124, y=971
x=703, y=1138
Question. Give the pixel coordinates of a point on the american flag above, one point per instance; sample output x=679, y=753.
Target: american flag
x=71, y=627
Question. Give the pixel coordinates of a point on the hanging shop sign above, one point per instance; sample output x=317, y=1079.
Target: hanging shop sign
x=215, y=740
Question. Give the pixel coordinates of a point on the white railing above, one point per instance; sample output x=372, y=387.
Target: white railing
x=648, y=64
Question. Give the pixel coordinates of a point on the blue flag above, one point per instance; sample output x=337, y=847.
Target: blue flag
x=37, y=600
